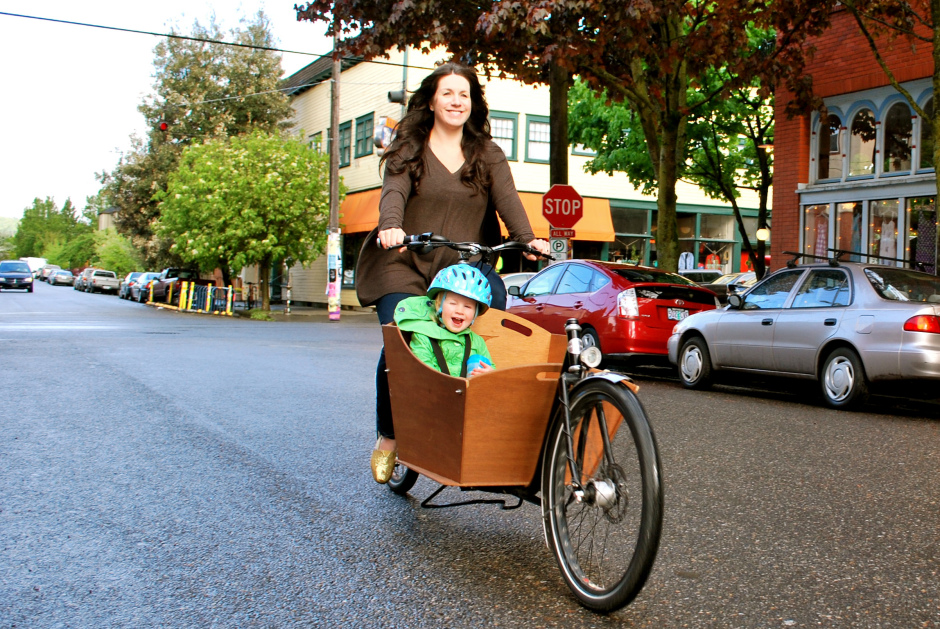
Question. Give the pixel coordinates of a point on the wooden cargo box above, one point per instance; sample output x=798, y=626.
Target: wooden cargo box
x=477, y=432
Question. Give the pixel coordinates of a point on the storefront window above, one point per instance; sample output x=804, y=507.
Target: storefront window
x=899, y=129
x=716, y=255
x=926, y=137
x=816, y=230
x=685, y=224
x=849, y=228
x=883, y=231
x=630, y=250
x=352, y=243
x=830, y=151
x=862, y=144
x=921, y=240
x=717, y=227
x=629, y=220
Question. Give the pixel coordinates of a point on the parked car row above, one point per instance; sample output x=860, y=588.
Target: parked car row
x=848, y=326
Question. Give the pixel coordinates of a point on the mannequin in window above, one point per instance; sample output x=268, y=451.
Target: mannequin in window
x=822, y=234
x=888, y=247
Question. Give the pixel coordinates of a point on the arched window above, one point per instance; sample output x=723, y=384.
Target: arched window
x=926, y=137
x=899, y=129
x=830, y=150
x=862, y=144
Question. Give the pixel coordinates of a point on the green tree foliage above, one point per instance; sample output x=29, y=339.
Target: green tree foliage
x=202, y=91
x=251, y=199
x=724, y=153
x=650, y=54
x=115, y=252
x=45, y=229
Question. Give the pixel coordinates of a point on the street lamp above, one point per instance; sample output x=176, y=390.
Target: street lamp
x=763, y=234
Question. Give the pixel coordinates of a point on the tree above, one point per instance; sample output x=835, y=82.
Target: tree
x=251, y=199
x=44, y=228
x=649, y=54
x=203, y=91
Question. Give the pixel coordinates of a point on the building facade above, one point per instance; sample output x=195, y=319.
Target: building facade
x=860, y=176
x=619, y=222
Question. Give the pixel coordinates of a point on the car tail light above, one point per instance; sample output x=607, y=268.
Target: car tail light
x=627, y=303
x=923, y=323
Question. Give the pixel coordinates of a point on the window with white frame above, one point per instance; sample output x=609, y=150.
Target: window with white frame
x=926, y=137
x=899, y=132
x=538, y=139
x=829, y=155
x=862, y=136
x=503, y=129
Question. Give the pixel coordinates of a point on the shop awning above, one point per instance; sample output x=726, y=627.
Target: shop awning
x=595, y=224
x=360, y=211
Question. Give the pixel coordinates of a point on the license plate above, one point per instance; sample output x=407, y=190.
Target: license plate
x=677, y=314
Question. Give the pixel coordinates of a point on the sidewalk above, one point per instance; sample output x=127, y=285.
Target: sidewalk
x=312, y=313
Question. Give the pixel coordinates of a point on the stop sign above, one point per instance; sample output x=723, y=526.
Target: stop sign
x=562, y=206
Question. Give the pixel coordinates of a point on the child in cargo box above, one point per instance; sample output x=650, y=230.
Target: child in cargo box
x=440, y=323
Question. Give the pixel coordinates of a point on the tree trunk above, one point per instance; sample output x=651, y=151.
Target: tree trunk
x=935, y=19
x=667, y=232
x=264, y=283
x=558, y=124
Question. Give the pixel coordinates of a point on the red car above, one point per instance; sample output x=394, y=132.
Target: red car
x=625, y=310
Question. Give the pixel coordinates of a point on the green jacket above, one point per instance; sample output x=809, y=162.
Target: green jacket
x=416, y=315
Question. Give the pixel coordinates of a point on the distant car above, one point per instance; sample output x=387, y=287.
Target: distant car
x=845, y=326
x=140, y=289
x=46, y=270
x=516, y=279
x=82, y=278
x=100, y=280
x=701, y=276
x=623, y=309
x=62, y=276
x=16, y=274
x=730, y=283
x=124, y=290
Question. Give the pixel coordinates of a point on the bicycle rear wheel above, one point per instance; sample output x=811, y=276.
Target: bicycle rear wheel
x=605, y=538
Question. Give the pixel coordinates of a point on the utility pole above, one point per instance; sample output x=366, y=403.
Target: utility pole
x=333, y=248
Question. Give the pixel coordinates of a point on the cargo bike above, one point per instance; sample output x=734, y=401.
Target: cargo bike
x=546, y=427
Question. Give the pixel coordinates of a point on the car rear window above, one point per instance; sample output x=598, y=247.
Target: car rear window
x=671, y=292
x=646, y=275
x=14, y=267
x=105, y=274
x=904, y=285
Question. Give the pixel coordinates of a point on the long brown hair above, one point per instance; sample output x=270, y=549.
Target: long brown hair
x=406, y=152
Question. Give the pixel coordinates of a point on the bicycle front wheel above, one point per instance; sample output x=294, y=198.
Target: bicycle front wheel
x=606, y=533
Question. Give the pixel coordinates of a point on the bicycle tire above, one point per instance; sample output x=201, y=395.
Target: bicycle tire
x=402, y=480
x=606, y=543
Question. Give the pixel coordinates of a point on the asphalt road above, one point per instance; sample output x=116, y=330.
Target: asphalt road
x=173, y=470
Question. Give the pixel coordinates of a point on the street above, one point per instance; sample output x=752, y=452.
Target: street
x=160, y=469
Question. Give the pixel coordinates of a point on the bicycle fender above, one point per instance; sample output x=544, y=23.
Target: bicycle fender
x=616, y=378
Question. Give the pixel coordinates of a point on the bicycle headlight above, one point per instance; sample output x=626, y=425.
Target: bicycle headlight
x=591, y=356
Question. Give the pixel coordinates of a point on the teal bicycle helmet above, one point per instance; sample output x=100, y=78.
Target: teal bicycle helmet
x=465, y=280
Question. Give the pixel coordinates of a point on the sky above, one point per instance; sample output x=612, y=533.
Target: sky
x=70, y=93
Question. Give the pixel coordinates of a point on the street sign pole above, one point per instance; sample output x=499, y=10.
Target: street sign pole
x=562, y=206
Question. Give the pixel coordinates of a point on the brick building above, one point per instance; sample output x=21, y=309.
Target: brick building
x=861, y=177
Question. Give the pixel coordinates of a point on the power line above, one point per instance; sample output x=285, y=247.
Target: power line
x=198, y=39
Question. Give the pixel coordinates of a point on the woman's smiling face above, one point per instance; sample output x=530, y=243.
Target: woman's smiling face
x=451, y=103
x=457, y=312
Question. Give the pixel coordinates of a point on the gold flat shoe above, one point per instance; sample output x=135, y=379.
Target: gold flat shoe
x=383, y=463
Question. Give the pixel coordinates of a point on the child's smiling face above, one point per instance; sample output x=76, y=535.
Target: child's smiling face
x=457, y=312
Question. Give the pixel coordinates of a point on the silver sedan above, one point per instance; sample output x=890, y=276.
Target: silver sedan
x=846, y=325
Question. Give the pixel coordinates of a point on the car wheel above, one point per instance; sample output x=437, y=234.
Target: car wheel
x=843, y=379
x=695, y=364
x=589, y=338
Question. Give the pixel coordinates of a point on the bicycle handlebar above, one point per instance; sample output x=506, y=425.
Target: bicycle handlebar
x=428, y=241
